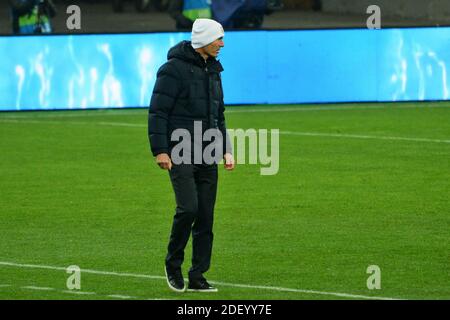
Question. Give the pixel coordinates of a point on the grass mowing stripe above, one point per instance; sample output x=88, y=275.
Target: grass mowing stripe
x=231, y=109
x=134, y=275
x=313, y=134
x=326, y=108
x=116, y=124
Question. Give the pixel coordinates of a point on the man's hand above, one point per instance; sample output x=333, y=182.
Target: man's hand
x=228, y=161
x=163, y=161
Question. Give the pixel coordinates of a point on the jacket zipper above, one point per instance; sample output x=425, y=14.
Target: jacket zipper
x=209, y=98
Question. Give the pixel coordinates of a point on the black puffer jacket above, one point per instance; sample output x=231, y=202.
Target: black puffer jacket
x=186, y=90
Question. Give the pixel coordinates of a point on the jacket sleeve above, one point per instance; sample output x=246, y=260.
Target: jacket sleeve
x=227, y=144
x=165, y=92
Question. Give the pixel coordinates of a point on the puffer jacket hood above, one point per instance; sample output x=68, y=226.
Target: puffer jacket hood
x=184, y=51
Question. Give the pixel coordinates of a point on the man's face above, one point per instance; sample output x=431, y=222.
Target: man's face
x=213, y=49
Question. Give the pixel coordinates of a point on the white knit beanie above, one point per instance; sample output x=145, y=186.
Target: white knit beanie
x=205, y=31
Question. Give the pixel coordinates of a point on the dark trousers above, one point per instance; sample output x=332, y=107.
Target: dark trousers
x=195, y=188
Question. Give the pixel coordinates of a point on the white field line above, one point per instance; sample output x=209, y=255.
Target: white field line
x=144, y=276
x=119, y=296
x=344, y=295
x=114, y=296
x=106, y=273
x=38, y=288
x=81, y=293
x=359, y=136
x=125, y=112
x=313, y=134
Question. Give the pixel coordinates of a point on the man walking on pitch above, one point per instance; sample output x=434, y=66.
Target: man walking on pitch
x=188, y=93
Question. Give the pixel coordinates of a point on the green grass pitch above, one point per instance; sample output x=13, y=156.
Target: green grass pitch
x=358, y=185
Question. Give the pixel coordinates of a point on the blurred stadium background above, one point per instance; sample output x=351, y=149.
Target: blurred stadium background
x=364, y=155
x=98, y=15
